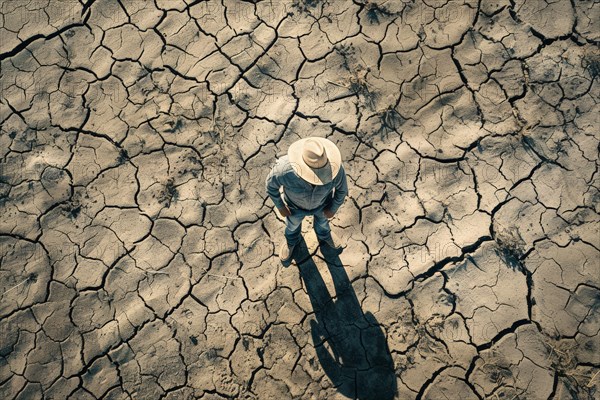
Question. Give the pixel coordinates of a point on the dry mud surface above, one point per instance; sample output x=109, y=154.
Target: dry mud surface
x=138, y=247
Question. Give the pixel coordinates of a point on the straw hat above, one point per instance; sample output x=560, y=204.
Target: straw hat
x=316, y=160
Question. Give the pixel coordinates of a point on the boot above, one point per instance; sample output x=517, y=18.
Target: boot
x=285, y=253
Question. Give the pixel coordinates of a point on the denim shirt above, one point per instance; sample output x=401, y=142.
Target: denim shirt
x=299, y=194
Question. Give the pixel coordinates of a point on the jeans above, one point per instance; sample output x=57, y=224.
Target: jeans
x=293, y=225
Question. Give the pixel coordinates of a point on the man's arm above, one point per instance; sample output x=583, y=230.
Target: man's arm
x=272, y=185
x=341, y=190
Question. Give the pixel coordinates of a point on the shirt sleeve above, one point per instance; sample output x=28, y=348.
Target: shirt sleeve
x=341, y=190
x=273, y=184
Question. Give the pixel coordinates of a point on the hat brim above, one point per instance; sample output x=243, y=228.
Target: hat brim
x=316, y=176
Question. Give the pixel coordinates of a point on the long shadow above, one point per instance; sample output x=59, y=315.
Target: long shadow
x=350, y=344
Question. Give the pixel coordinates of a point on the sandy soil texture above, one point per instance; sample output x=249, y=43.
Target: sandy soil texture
x=139, y=249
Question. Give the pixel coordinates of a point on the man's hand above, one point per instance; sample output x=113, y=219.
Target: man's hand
x=328, y=213
x=285, y=211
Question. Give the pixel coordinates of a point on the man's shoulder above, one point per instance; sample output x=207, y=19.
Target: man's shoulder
x=283, y=166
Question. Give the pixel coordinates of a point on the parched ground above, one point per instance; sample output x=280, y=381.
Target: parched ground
x=138, y=247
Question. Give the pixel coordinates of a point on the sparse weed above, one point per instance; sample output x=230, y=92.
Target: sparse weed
x=123, y=157
x=175, y=126
x=389, y=120
x=305, y=6
x=357, y=84
x=591, y=62
x=169, y=193
x=376, y=11
x=577, y=380
x=511, y=249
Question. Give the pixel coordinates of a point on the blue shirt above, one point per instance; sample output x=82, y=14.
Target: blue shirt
x=300, y=194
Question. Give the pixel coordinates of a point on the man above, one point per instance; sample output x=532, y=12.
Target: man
x=314, y=183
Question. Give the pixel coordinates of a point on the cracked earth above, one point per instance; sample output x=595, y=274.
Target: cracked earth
x=138, y=247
